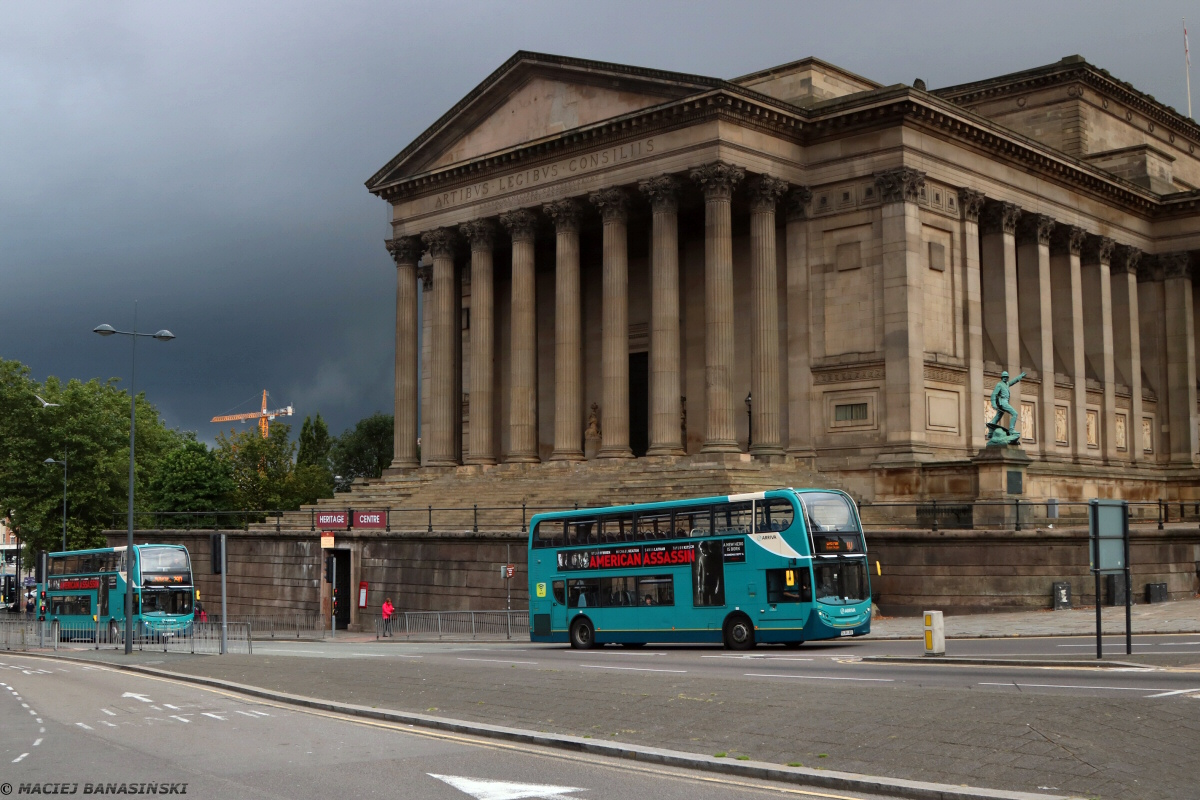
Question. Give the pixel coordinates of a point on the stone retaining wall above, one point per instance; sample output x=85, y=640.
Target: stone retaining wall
x=276, y=574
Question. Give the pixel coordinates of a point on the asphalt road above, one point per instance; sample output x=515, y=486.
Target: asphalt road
x=836, y=661
x=67, y=723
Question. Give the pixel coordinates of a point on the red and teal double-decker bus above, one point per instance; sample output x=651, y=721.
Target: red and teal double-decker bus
x=784, y=566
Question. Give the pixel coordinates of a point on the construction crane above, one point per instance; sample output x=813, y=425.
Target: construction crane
x=262, y=416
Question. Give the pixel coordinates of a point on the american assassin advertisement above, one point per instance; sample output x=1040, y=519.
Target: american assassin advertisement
x=649, y=555
x=57, y=584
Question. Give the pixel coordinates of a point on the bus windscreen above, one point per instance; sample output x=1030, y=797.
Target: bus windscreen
x=164, y=560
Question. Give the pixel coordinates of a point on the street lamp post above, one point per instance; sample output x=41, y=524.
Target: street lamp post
x=49, y=461
x=162, y=336
x=749, y=422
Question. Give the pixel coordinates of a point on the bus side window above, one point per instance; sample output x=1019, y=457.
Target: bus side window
x=560, y=592
x=774, y=515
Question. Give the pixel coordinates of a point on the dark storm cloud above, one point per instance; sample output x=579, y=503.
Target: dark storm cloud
x=208, y=159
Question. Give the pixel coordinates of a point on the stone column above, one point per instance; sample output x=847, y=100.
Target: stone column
x=717, y=181
x=799, y=322
x=1181, y=357
x=1098, y=334
x=1037, y=319
x=1068, y=315
x=568, y=333
x=1127, y=340
x=444, y=404
x=614, y=326
x=481, y=438
x=998, y=273
x=764, y=192
x=406, y=251
x=970, y=203
x=522, y=412
x=665, y=377
x=903, y=327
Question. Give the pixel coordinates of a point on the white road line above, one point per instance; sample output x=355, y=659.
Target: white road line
x=496, y=660
x=156, y=708
x=181, y=719
x=109, y=724
x=37, y=741
x=254, y=713
x=41, y=730
x=765, y=658
x=39, y=720
x=32, y=713
x=85, y=727
x=1169, y=694
x=631, y=669
x=173, y=708
x=1072, y=686
x=215, y=716
x=372, y=655
x=110, y=713
x=24, y=705
x=18, y=758
x=817, y=677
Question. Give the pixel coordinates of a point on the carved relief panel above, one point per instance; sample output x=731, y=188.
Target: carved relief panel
x=1092, y=425
x=1061, y=432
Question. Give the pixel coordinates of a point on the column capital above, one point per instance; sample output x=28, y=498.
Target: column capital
x=796, y=202
x=1125, y=259
x=479, y=233
x=441, y=242
x=1069, y=239
x=1099, y=249
x=565, y=214
x=765, y=192
x=970, y=203
x=662, y=191
x=425, y=273
x=1000, y=217
x=404, y=249
x=1175, y=265
x=717, y=179
x=1037, y=227
x=612, y=202
x=521, y=224
x=900, y=185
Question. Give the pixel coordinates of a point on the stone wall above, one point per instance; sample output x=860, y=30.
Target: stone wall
x=961, y=572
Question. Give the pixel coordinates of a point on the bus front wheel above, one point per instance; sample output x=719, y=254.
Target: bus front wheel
x=739, y=633
x=583, y=635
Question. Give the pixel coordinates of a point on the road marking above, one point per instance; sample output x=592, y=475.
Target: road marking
x=181, y=719
x=1073, y=686
x=156, y=708
x=109, y=724
x=818, y=677
x=41, y=730
x=140, y=697
x=288, y=650
x=173, y=708
x=39, y=720
x=215, y=716
x=253, y=714
x=18, y=758
x=85, y=727
x=631, y=669
x=1169, y=694
x=496, y=660
x=771, y=658
x=110, y=713
x=372, y=655
x=24, y=705
x=37, y=741
x=482, y=789
x=32, y=713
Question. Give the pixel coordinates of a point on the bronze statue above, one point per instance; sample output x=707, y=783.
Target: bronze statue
x=997, y=434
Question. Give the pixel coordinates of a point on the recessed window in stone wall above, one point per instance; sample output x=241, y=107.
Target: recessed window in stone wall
x=847, y=412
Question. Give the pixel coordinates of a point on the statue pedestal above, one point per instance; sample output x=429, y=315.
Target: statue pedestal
x=1000, y=471
x=591, y=447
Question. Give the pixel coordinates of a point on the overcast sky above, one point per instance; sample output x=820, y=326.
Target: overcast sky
x=207, y=159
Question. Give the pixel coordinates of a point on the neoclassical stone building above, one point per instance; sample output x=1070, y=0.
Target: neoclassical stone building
x=803, y=266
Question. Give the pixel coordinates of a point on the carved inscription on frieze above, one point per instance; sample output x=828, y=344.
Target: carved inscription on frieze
x=545, y=173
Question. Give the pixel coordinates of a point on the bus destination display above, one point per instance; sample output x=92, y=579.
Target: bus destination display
x=650, y=555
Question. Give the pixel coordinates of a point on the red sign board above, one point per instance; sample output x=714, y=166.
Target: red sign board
x=370, y=519
x=332, y=519
x=74, y=583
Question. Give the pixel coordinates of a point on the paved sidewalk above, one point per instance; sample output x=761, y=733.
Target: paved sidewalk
x=1181, y=616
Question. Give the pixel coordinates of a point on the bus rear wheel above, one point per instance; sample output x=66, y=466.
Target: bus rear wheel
x=739, y=633
x=583, y=635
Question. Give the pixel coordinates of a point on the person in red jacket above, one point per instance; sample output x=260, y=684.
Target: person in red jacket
x=387, y=611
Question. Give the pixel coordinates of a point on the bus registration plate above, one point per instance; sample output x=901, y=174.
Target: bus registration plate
x=847, y=633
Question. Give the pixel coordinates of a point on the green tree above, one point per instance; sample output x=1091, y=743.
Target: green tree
x=192, y=478
x=260, y=468
x=365, y=450
x=89, y=426
x=315, y=443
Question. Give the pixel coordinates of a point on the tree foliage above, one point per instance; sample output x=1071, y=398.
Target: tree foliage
x=365, y=450
x=192, y=478
x=315, y=443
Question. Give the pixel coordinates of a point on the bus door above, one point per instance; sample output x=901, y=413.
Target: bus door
x=558, y=605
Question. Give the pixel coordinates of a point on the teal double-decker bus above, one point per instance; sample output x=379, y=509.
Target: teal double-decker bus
x=785, y=566
x=85, y=589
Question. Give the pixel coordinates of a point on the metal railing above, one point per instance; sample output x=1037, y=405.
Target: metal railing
x=936, y=515
x=279, y=626
x=455, y=624
x=1013, y=515
x=199, y=637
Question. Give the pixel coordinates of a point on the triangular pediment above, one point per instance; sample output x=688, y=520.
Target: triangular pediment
x=532, y=97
